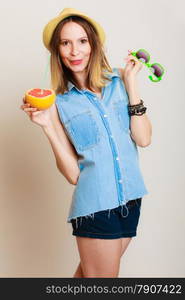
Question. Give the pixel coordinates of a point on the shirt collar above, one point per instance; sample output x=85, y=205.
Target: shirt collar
x=70, y=85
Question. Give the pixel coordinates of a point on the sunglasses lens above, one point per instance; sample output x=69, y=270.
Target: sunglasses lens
x=143, y=55
x=157, y=70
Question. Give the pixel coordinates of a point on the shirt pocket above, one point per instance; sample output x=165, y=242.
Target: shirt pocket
x=122, y=115
x=83, y=131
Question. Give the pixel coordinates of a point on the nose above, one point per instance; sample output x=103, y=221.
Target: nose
x=74, y=49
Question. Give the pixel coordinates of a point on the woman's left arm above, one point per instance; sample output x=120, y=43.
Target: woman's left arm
x=140, y=126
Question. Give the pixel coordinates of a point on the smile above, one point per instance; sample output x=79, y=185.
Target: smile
x=76, y=62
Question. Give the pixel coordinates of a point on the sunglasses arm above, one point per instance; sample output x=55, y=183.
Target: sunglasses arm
x=154, y=80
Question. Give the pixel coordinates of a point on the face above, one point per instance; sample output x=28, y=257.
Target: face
x=74, y=47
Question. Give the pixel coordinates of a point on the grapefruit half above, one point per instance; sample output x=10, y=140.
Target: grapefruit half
x=40, y=98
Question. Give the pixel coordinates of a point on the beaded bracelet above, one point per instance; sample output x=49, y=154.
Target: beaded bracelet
x=137, y=109
x=136, y=105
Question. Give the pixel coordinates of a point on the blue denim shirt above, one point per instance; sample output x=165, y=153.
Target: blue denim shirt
x=99, y=129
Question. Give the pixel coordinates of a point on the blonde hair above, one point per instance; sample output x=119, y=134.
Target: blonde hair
x=98, y=66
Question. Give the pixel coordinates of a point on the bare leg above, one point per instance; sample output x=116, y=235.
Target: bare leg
x=99, y=257
x=125, y=243
x=78, y=273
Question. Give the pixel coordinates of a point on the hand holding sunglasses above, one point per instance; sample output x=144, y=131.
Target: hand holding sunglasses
x=156, y=69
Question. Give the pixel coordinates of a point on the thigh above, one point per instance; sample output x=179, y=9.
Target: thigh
x=124, y=244
x=99, y=257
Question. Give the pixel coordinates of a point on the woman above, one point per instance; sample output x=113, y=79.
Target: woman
x=94, y=128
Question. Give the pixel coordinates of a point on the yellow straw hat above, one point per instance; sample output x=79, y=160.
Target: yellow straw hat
x=66, y=12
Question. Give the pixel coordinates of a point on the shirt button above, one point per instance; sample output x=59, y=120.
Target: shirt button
x=120, y=181
x=117, y=158
x=111, y=136
x=105, y=116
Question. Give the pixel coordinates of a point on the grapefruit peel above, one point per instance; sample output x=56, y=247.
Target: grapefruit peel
x=40, y=98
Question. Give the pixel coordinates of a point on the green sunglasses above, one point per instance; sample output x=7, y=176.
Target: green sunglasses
x=156, y=69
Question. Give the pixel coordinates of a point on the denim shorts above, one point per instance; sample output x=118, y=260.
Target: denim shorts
x=118, y=222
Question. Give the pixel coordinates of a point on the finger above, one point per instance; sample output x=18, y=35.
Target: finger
x=25, y=105
x=135, y=61
x=30, y=109
x=35, y=113
x=128, y=67
x=130, y=57
x=28, y=112
x=129, y=51
x=132, y=60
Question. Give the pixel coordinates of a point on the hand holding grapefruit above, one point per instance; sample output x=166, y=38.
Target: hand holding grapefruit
x=40, y=98
x=42, y=117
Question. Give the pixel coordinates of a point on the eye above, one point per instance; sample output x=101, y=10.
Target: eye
x=64, y=43
x=83, y=41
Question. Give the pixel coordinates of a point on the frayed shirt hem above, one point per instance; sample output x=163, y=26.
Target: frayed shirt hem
x=80, y=218
x=92, y=214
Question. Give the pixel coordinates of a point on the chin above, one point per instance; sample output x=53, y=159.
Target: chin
x=78, y=68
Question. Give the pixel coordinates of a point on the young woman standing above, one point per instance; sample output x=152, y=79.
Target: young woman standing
x=94, y=128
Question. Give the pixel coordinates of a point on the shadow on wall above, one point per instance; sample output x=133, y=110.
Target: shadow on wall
x=35, y=204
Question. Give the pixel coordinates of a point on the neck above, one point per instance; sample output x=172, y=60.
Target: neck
x=81, y=78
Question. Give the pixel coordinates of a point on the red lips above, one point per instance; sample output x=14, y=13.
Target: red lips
x=76, y=62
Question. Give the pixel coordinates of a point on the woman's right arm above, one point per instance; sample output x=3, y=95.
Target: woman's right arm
x=65, y=154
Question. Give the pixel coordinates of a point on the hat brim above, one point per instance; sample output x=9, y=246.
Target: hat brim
x=50, y=27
